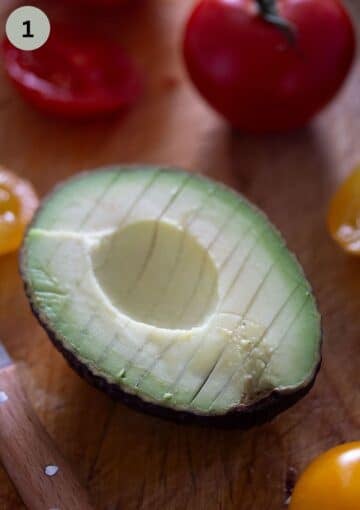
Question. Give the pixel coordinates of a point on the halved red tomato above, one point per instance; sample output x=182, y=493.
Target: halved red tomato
x=100, y=3
x=76, y=74
x=103, y=2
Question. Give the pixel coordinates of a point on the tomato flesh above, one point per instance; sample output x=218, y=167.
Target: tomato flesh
x=252, y=74
x=75, y=74
x=344, y=214
x=331, y=482
x=18, y=202
x=102, y=3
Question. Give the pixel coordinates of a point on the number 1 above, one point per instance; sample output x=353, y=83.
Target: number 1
x=28, y=29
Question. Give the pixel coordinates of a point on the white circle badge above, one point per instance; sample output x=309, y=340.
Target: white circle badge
x=28, y=28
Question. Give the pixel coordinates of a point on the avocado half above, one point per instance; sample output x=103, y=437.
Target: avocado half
x=174, y=294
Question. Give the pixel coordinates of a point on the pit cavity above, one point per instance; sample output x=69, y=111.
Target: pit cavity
x=157, y=273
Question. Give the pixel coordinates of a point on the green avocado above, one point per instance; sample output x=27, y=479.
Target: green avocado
x=174, y=293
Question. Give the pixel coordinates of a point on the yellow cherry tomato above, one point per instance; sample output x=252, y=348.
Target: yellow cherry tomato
x=344, y=215
x=330, y=482
x=18, y=202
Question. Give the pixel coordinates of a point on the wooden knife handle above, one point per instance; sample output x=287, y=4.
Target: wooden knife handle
x=26, y=450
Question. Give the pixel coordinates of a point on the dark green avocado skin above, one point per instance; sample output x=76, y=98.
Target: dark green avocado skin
x=241, y=417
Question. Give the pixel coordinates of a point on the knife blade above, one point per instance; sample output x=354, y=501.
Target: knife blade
x=5, y=359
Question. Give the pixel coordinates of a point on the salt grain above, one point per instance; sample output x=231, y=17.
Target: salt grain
x=3, y=397
x=51, y=470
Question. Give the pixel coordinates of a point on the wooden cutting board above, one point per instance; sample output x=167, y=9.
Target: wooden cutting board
x=130, y=461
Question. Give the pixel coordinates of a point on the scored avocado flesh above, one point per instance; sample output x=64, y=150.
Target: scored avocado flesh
x=172, y=287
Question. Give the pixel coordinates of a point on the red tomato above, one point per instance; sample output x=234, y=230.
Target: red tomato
x=100, y=3
x=75, y=74
x=251, y=73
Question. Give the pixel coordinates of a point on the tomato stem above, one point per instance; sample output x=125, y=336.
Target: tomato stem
x=269, y=11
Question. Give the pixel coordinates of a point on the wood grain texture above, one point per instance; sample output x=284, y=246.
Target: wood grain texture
x=130, y=461
x=28, y=453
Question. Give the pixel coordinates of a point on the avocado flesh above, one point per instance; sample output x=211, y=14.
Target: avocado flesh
x=172, y=288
